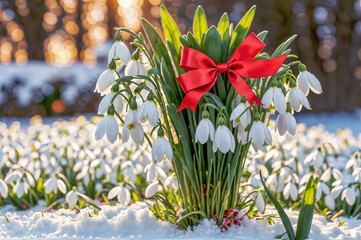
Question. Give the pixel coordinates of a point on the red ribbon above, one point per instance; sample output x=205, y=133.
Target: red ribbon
x=204, y=71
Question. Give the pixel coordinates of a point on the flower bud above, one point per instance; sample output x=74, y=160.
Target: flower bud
x=115, y=88
x=118, y=36
x=302, y=67
x=111, y=110
x=160, y=132
x=133, y=105
x=205, y=114
x=112, y=65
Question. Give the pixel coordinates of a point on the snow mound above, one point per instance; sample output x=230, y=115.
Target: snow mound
x=137, y=222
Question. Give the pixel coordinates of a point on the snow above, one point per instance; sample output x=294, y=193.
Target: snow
x=137, y=222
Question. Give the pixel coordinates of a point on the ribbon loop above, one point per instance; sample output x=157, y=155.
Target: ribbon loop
x=204, y=71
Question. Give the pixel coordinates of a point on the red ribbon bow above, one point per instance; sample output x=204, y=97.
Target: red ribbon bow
x=204, y=71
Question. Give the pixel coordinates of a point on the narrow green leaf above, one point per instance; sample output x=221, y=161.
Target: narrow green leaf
x=200, y=25
x=282, y=48
x=285, y=220
x=262, y=35
x=307, y=208
x=223, y=24
x=242, y=28
x=170, y=29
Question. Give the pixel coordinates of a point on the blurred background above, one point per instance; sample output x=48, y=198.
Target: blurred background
x=52, y=51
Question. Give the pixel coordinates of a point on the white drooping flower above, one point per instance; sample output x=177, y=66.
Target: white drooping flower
x=260, y=204
x=335, y=192
x=172, y=182
x=275, y=95
x=120, y=53
x=132, y=127
x=71, y=198
x=13, y=176
x=260, y=133
x=350, y=195
x=148, y=111
x=3, y=188
x=290, y=191
x=322, y=188
x=135, y=68
x=106, y=79
x=108, y=125
x=297, y=99
x=52, y=185
x=205, y=130
x=330, y=202
x=107, y=101
x=326, y=175
x=242, y=135
x=161, y=150
x=223, y=140
x=151, y=189
x=306, y=80
x=315, y=158
x=20, y=188
x=154, y=171
x=286, y=122
x=276, y=183
x=122, y=194
x=236, y=117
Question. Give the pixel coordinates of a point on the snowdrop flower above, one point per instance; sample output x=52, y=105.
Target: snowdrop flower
x=107, y=101
x=151, y=189
x=122, y=194
x=223, y=140
x=297, y=99
x=326, y=176
x=72, y=198
x=330, y=202
x=119, y=52
x=3, y=188
x=107, y=125
x=154, y=171
x=52, y=185
x=276, y=183
x=274, y=95
x=20, y=188
x=13, y=176
x=132, y=127
x=148, y=111
x=322, y=188
x=106, y=79
x=236, y=117
x=290, y=191
x=161, y=149
x=315, y=158
x=205, y=130
x=306, y=80
x=135, y=68
x=336, y=191
x=172, y=182
x=350, y=195
x=286, y=122
x=260, y=133
x=260, y=203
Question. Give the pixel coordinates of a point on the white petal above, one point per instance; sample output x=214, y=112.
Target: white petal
x=279, y=100
x=112, y=129
x=100, y=132
x=61, y=186
x=118, y=104
x=257, y=134
x=350, y=196
x=113, y=192
x=291, y=123
x=3, y=189
x=260, y=203
x=105, y=103
x=267, y=97
x=314, y=83
x=294, y=99
x=151, y=189
x=281, y=123
x=19, y=189
x=50, y=185
x=302, y=83
x=267, y=133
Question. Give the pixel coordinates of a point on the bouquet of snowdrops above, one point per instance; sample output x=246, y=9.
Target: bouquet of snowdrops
x=200, y=100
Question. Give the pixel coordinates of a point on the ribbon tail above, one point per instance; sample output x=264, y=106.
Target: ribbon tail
x=193, y=96
x=243, y=89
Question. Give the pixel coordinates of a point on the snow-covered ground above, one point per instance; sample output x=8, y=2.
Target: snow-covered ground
x=137, y=222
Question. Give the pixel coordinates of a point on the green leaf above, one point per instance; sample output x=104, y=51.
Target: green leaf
x=285, y=220
x=200, y=25
x=341, y=223
x=307, y=208
x=170, y=29
x=282, y=48
x=223, y=24
x=212, y=45
x=157, y=44
x=242, y=28
x=262, y=35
